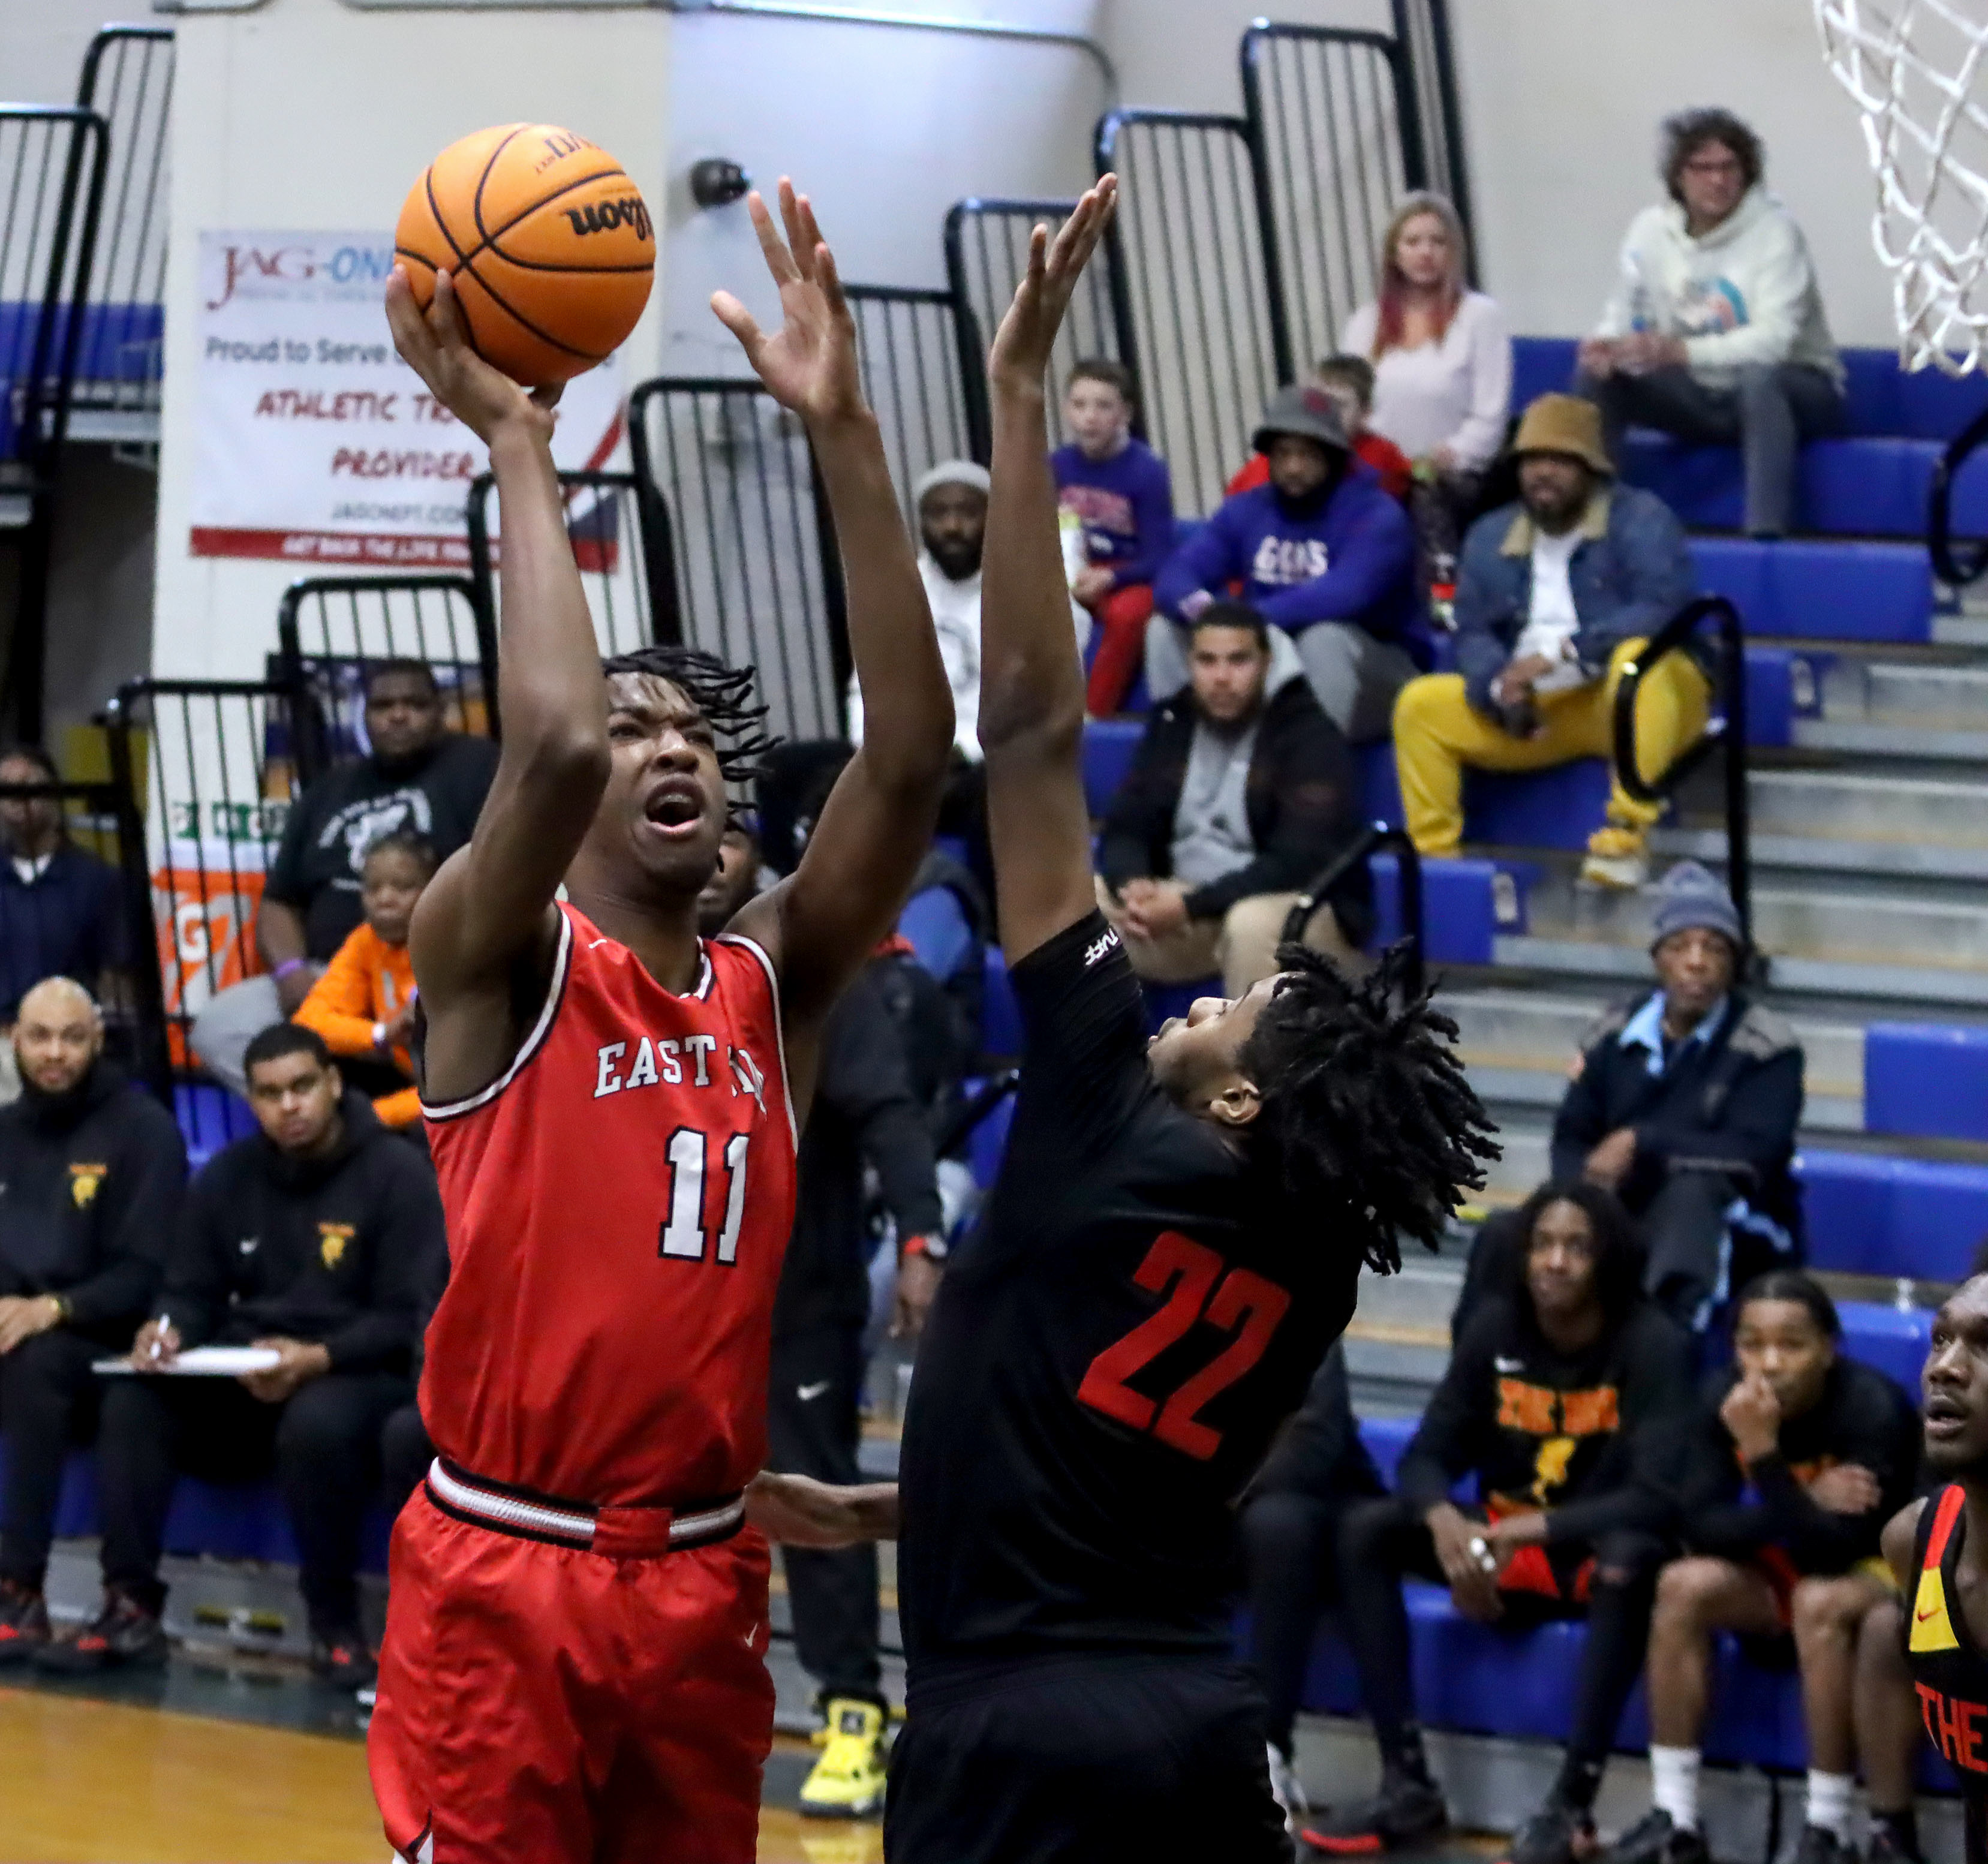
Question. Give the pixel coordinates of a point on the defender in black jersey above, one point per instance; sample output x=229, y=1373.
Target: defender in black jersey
x=1938, y=1547
x=1171, y=1246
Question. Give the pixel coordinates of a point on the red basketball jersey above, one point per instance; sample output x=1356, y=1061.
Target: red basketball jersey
x=618, y=1203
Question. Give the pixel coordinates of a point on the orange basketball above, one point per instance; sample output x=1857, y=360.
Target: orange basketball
x=549, y=244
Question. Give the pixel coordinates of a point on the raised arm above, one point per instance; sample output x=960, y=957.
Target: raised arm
x=823, y=922
x=490, y=908
x=1031, y=684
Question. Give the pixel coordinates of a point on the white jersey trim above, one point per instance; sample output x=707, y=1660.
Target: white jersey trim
x=533, y=1042
x=759, y=951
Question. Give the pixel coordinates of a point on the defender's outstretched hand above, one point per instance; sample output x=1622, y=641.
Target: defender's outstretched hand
x=436, y=346
x=810, y=364
x=1020, y=357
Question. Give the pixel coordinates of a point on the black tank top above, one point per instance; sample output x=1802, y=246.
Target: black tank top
x=1948, y=1668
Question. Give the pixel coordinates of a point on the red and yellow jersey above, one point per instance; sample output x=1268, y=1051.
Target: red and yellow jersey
x=618, y=1201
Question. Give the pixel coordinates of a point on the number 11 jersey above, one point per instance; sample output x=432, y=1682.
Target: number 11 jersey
x=618, y=1203
x=1110, y=1356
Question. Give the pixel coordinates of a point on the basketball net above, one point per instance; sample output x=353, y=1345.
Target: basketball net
x=1912, y=66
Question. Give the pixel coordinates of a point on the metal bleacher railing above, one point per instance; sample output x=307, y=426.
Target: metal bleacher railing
x=1957, y=562
x=920, y=352
x=1725, y=733
x=215, y=763
x=748, y=568
x=986, y=252
x=330, y=628
x=127, y=78
x=1376, y=838
x=53, y=159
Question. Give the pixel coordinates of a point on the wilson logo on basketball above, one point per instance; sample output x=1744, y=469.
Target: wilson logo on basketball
x=604, y=216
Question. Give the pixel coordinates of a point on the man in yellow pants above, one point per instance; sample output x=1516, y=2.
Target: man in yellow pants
x=1555, y=595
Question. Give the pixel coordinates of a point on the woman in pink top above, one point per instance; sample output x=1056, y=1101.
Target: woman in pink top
x=1442, y=369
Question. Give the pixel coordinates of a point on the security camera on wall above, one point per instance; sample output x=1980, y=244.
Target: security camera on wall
x=717, y=182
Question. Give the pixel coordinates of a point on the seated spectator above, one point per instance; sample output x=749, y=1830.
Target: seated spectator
x=1290, y=1526
x=1555, y=595
x=91, y=1168
x=315, y=1238
x=61, y=914
x=1349, y=380
x=364, y=1004
x=416, y=775
x=1442, y=370
x=1117, y=491
x=1716, y=332
x=1686, y=1105
x=1239, y=796
x=1323, y=554
x=1777, y=1487
x=1552, y=1389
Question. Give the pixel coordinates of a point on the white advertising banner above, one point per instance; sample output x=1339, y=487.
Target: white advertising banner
x=316, y=444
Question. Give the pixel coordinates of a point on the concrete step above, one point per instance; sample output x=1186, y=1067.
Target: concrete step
x=1931, y=860
x=1860, y=805
x=1935, y=694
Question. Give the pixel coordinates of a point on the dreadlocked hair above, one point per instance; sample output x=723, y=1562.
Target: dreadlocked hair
x=724, y=694
x=1366, y=1117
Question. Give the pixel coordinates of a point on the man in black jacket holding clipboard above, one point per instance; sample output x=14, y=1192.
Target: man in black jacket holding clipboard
x=311, y=1240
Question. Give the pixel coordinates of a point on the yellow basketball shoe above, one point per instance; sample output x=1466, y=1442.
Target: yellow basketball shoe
x=847, y=1781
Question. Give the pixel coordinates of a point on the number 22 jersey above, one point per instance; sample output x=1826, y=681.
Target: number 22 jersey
x=618, y=1203
x=1110, y=1354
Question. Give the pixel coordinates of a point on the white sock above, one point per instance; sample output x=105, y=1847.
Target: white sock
x=1829, y=1797
x=1674, y=1784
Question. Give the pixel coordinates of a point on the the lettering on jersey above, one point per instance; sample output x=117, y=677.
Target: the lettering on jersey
x=1282, y=561
x=1954, y=1726
x=660, y=1062
x=1541, y=1411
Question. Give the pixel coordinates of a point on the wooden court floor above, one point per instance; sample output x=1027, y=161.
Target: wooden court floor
x=91, y=1782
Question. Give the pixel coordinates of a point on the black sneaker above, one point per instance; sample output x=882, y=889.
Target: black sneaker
x=1403, y=1812
x=24, y=1622
x=1554, y=1835
x=1819, y=1845
x=123, y=1636
x=1653, y=1839
x=340, y=1658
x=1887, y=1845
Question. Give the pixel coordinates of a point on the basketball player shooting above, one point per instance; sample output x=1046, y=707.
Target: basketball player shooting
x=1938, y=1549
x=1170, y=1246
x=573, y=1665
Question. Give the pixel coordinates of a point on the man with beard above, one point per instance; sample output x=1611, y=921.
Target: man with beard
x=1323, y=554
x=91, y=1169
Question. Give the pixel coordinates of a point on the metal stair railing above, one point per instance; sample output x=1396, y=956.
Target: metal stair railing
x=1725, y=733
x=1375, y=838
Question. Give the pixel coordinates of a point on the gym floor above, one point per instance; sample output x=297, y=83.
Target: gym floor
x=249, y=1763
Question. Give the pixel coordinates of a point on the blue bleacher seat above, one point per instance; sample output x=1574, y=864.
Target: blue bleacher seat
x=935, y=923
x=1108, y=745
x=1926, y=1079
x=1869, y=1214
x=210, y=1117
x=1821, y=588
x=986, y=1142
x=1895, y=1340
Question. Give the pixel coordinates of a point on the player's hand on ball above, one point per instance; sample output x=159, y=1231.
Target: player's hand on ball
x=810, y=362
x=1021, y=346
x=437, y=348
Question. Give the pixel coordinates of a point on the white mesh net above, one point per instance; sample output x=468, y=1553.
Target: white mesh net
x=1913, y=67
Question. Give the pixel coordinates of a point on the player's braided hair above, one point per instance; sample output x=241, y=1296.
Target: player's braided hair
x=1366, y=1114
x=724, y=694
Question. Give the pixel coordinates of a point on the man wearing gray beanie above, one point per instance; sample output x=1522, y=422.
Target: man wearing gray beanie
x=1684, y=1103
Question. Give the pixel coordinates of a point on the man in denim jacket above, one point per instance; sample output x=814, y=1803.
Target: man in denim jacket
x=1555, y=595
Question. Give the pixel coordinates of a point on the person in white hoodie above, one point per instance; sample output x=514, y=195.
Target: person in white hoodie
x=1716, y=332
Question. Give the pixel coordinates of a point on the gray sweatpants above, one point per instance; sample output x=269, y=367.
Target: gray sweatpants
x=232, y=1020
x=1354, y=677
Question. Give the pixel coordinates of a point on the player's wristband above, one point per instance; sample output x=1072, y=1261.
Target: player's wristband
x=932, y=1248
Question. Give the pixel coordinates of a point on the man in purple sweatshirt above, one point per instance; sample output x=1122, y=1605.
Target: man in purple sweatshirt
x=1321, y=552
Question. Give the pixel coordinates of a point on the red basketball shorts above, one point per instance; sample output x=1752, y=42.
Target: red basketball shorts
x=538, y=1702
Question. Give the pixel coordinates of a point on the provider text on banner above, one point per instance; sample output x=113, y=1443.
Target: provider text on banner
x=317, y=442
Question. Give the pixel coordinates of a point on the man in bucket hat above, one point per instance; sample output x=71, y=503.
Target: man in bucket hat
x=1323, y=554
x=1555, y=595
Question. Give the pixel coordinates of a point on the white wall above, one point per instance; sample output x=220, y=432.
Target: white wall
x=884, y=127
x=42, y=41
x=1561, y=102
x=308, y=114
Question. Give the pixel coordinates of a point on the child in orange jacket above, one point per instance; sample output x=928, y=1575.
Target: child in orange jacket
x=364, y=1005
